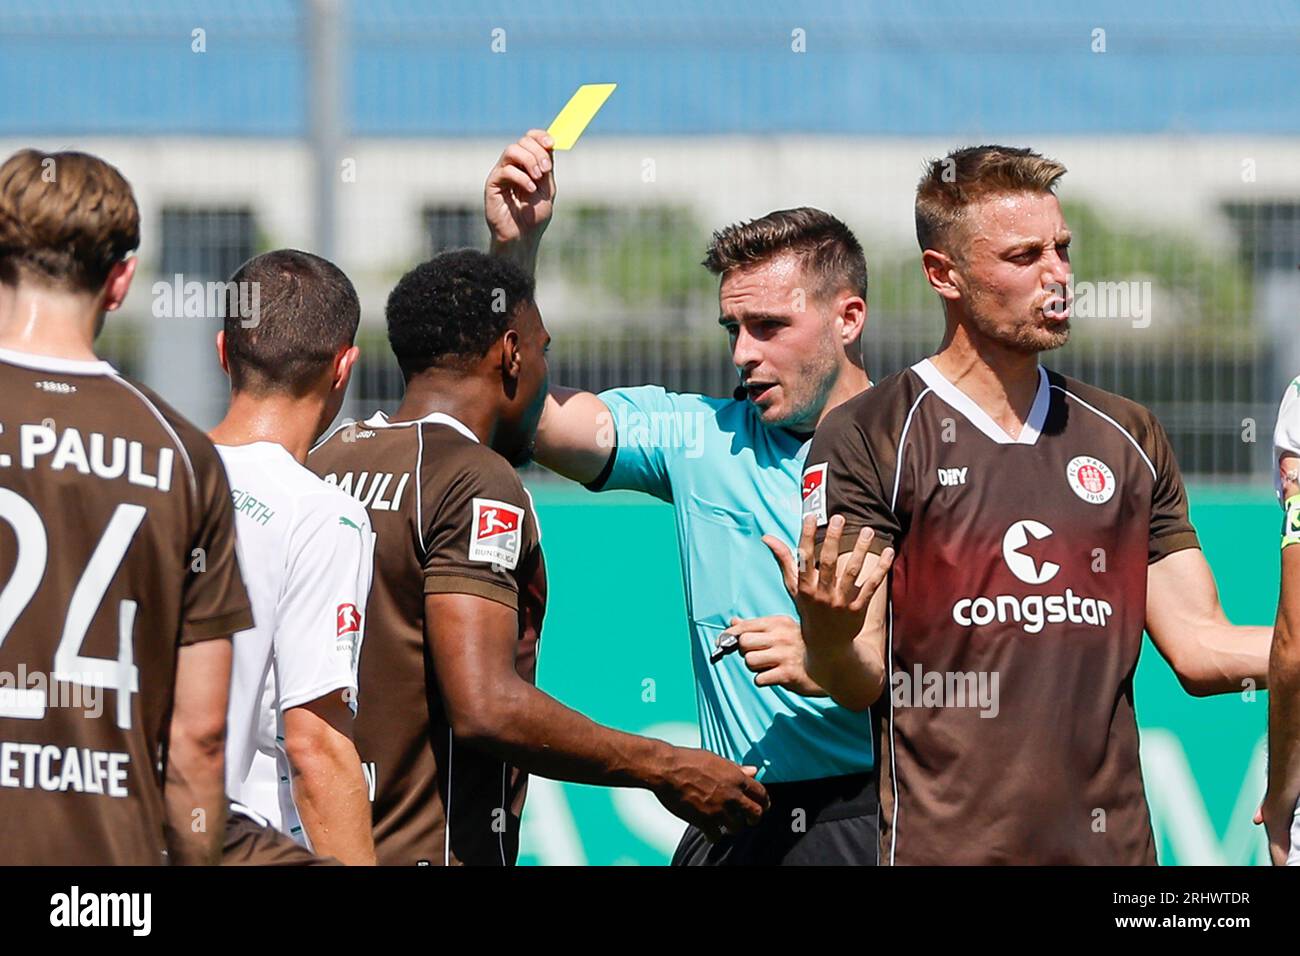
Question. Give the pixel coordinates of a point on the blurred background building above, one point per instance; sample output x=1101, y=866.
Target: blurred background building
x=363, y=131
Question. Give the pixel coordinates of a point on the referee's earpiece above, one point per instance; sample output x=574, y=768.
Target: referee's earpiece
x=739, y=393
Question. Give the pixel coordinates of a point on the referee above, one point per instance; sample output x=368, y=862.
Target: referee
x=793, y=302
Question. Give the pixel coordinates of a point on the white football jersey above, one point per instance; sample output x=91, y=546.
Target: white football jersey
x=307, y=555
x=1286, y=436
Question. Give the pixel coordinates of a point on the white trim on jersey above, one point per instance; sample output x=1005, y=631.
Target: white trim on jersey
x=902, y=439
x=65, y=366
x=532, y=506
x=380, y=420
x=51, y=363
x=446, y=830
x=249, y=812
x=1122, y=430
x=893, y=742
x=501, y=834
x=889, y=639
x=971, y=411
x=419, y=492
x=185, y=455
x=333, y=431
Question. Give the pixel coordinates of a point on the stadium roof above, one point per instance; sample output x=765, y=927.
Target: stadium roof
x=929, y=67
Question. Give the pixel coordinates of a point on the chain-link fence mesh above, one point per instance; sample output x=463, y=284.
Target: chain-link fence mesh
x=1180, y=128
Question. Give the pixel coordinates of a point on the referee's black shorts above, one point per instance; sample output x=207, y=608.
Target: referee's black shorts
x=825, y=822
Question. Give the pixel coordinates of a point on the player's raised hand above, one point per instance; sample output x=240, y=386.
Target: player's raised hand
x=520, y=191
x=711, y=793
x=832, y=602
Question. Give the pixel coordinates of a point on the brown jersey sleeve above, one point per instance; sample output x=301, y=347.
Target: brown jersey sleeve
x=478, y=538
x=855, y=479
x=1171, y=528
x=214, y=602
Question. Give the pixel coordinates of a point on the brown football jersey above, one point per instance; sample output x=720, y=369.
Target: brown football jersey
x=250, y=840
x=450, y=515
x=117, y=544
x=1017, y=603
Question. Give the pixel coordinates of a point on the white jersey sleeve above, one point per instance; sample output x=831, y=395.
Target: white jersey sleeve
x=1286, y=436
x=320, y=618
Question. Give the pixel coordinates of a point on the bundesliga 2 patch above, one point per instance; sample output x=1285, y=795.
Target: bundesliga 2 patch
x=349, y=619
x=348, y=623
x=497, y=533
x=814, y=492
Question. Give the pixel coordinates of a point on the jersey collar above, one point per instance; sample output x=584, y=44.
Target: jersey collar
x=254, y=448
x=380, y=420
x=50, y=363
x=963, y=403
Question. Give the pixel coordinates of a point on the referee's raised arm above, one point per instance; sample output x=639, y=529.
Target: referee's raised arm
x=574, y=438
x=792, y=289
x=519, y=198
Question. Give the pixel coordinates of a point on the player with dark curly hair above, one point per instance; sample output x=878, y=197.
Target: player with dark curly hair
x=453, y=722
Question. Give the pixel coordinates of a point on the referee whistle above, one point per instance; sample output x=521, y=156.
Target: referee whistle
x=726, y=644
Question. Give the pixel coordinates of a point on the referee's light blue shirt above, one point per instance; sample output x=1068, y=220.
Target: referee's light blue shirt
x=730, y=481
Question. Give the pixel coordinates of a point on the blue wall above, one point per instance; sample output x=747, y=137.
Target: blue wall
x=931, y=67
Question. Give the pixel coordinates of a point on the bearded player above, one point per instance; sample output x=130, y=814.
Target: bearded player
x=1039, y=525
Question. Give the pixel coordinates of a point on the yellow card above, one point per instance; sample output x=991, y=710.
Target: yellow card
x=578, y=112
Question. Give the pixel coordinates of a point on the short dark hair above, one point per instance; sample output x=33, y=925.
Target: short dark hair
x=828, y=248
x=288, y=313
x=448, y=311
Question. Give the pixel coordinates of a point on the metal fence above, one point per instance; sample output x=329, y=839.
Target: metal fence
x=628, y=303
x=1207, y=353
x=225, y=149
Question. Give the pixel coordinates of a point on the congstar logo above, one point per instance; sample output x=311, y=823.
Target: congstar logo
x=1025, y=549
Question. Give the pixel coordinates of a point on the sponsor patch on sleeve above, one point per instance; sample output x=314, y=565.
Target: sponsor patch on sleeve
x=347, y=628
x=497, y=533
x=814, y=492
